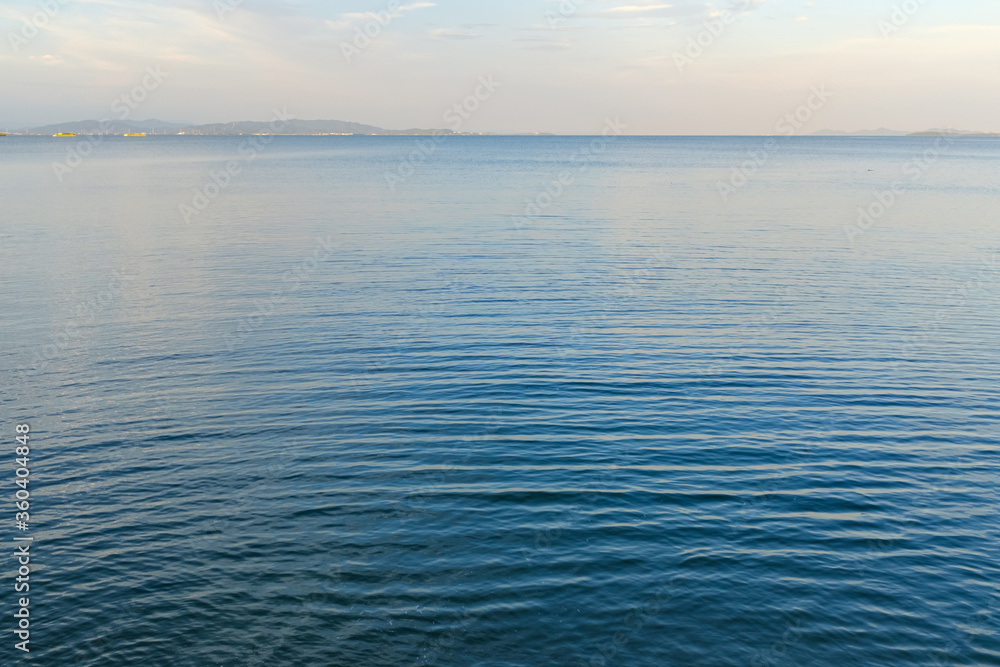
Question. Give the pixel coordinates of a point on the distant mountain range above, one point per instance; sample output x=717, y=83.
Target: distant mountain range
x=883, y=132
x=954, y=133
x=110, y=127
x=319, y=127
x=290, y=127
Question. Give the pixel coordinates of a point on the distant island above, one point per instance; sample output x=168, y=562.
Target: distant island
x=247, y=127
x=340, y=127
x=883, y=132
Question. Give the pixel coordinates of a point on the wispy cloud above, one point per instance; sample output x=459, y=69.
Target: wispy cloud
x=449, y=33
x=544, y=43
x=611, y=53
x=649, y=10
x=350, y=19
x=683, y=9
x=48, y=59
x=636, y=9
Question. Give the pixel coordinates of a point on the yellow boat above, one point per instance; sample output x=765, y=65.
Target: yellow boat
x=138, y=134
x=3, y=134
x=65, y=134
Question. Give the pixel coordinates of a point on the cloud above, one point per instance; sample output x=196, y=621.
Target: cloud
x=635, y=9
x=351, y=19
x=48, y=59
x=448, y=33
x=544, y=43
x=683, y=9
x=650, y=10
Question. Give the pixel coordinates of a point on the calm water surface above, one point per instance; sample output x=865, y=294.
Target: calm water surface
x=322, y=417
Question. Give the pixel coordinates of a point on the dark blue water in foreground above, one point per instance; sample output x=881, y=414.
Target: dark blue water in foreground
x=323, y=421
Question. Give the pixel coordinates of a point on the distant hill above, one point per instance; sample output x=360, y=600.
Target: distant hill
x=883, y=132
x=296, y=126
x=953, y=133
x=112, y=127
x=291, y=127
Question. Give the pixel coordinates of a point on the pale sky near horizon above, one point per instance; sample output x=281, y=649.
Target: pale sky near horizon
x=231, y=60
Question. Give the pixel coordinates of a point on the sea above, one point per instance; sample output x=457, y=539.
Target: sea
x=365, y=401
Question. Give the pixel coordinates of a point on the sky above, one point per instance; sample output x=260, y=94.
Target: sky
x=567, y=67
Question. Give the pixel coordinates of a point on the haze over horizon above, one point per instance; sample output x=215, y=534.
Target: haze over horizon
x=336, y=126
x=555, y=67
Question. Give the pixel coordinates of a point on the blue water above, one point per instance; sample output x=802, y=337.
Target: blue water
x=325, y=421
